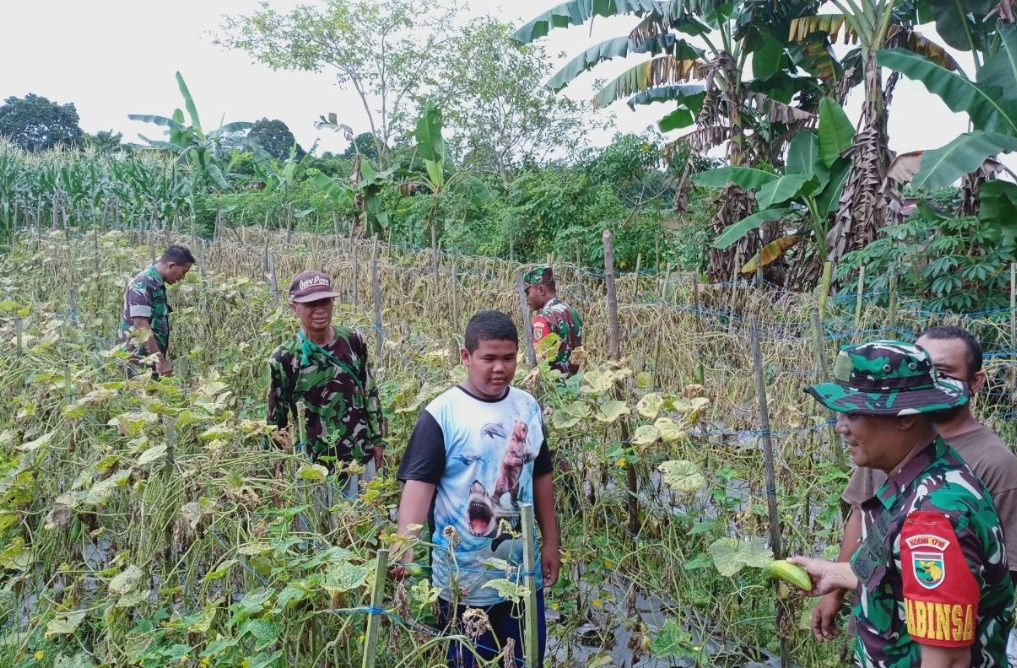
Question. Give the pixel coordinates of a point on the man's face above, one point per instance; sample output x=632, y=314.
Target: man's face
x=950, y=357
x=870, y=439
x=316, y=316
x=536, y=296
x=176, y=272
x=490, y=368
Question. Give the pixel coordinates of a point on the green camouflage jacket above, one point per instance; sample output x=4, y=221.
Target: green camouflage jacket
x=145, y=298
x=342, y=408
x=932, y=566
x=559, y=318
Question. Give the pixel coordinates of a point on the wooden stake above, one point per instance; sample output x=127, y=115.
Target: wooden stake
x=1013, y=306
x=455, y=293
x=700, y=369
x=356, y=273
x=527, y=325
x=379, y=336
x=271, y=275
x=771, y=482
x=635, y=285
x=374, y=615
x=531, y=636
x=612, y=297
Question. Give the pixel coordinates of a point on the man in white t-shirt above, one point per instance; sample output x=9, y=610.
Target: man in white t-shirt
x=476, y=453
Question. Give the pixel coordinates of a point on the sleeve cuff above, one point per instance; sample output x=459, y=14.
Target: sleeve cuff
x=140, y=311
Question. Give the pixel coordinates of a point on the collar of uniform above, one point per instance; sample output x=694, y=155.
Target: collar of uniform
x=154, y=273
x=902, y=479
x=551, y=302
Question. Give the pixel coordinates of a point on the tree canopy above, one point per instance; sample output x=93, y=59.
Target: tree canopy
x=35, y=124
x=275, y=137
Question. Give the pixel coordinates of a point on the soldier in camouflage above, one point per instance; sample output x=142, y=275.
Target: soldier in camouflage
x=553, y=317
x=144, y=322
x=931, y=577
x=326, y=367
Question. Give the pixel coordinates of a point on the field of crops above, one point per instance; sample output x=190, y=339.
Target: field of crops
x=155, y=523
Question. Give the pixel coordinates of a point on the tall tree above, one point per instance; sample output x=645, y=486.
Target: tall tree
x=36, y=124
x=497, y=113
x=275, y=137
x=380, y=48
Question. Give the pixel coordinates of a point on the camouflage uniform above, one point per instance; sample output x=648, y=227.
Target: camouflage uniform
x=946, y=582
x=145, y=298
x=559, y=318
x=932, y=565
x=342, y=408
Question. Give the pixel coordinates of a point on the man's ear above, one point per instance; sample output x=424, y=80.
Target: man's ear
x=464, y=356
x=293, y=308
x=905, y=422
x=977, y=382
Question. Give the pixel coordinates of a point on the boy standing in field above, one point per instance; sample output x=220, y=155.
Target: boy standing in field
x=476, y=453
x=145, y=315
x=326, y=367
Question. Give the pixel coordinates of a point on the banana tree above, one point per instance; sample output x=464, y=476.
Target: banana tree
x=360, y=199
x=441, y=176
x=702, y=50
x=802, y=198
x=206, y=153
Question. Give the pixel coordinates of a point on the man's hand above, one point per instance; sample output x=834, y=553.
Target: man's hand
x=550, y=560
x=163, y=367
x=824, y=615
x=827, y=576
x=379, y=452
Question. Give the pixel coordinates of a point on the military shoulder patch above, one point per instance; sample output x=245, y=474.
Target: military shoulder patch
x=940, y=592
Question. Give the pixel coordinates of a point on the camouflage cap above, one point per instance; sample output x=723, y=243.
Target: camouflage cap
x=887, y=378
x=539, y=275
x=311, y=286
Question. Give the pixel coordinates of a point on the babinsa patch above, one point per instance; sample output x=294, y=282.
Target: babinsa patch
x=927, y=559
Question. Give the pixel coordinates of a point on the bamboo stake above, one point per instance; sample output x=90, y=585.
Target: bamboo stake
x=1013, y=306
x=374, y=613
x=858, y=297
x=356, y=274
x=201, y=261
x=771, y=491
x=700, y=369
x=531, y=636
x=635, y=284
x=819, y=346
x=455, y=293
x=272, y=278
x=378, y=333
x=824, y=289
x=527, y=325
x=892, y=307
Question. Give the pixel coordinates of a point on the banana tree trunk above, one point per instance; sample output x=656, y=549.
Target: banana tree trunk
x=862, y=210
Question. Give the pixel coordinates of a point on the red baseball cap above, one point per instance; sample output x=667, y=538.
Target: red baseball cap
x=311, y=286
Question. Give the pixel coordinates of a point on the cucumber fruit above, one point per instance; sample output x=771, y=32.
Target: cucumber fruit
x=782, y=569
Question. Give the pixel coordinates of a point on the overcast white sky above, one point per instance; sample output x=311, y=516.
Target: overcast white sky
x=114, y=57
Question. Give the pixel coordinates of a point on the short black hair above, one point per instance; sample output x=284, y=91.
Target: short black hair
x=178, y=255
x=490, y=326
x=948, y=332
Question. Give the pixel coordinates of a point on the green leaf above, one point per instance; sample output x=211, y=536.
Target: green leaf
x=746, y=177
x=102, y=490
x=672, y=641
x=577, y=12
x=802, y=155
x=126, y=581
x=67, y=624
x=16, y=557
x=192, y=111
x=755, y=552
x=958, y=22
x=344, y=576
x=736, y=231
x=612, y=410
x=646, y=434
x=944, y=166
x=682, y=476
x=676, y=120
x=791, y=186
x=768, y=60
x=430, y=143
x=507, y=589
x=725, y=556
x=669, y=430
x=334, y=191
x=649, y=406
x=828, y=198
x=620, y=47
x=152, y=454
x=835, y=131
x=988, y=109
